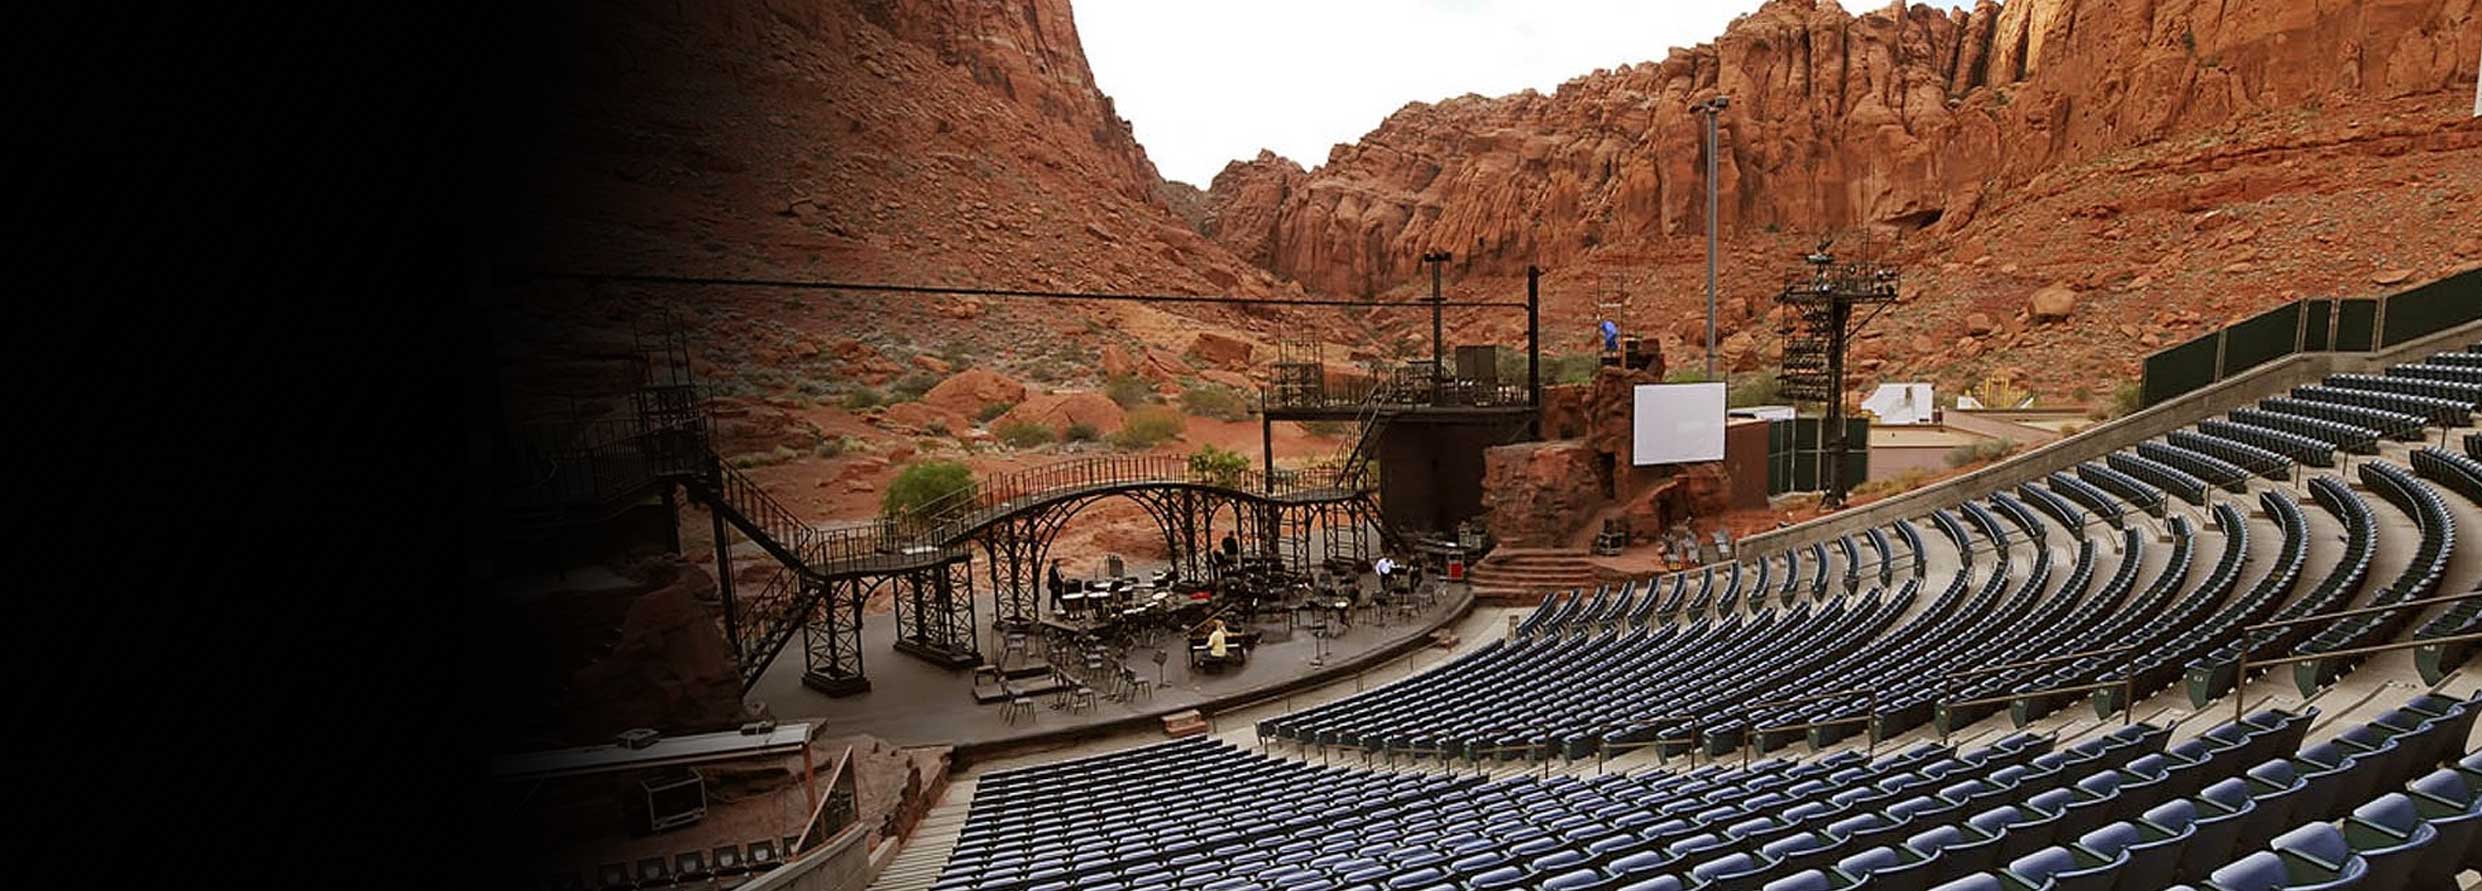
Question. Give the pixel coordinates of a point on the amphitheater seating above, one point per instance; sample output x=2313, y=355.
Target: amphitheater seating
x=2215, y=672
x=2111, y=812
x=2438, y=411
x=2392, y=424
x=2419, y=579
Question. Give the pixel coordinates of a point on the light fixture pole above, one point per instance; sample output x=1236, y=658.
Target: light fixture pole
x=1710, y=108
x=1439, y=303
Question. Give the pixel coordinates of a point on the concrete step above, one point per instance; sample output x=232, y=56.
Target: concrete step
x=922, y=854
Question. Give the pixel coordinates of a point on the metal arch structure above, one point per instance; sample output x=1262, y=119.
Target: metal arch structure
x=923, y=558
x=1016, y=546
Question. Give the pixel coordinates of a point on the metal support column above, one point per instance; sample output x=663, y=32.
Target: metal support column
x=724, y=577
x=1534, y=349
x=1439, y=335
x=832, y=636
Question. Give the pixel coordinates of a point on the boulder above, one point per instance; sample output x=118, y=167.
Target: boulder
x=1980, y=325
x=672, y=669
x=1060, y=410
x=1219, y=350
x=1231, y=379
x=920, y=418
x=965, y=393
x=2052, y=304
x=1116, y=361
x=1535, y=493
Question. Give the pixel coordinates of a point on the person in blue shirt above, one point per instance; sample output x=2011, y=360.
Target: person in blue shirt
x=1611, y=336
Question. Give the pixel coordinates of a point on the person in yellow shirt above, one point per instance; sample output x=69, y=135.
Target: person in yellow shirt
x=1215, y=639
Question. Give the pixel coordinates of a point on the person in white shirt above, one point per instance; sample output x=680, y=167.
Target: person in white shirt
x=1385, y=567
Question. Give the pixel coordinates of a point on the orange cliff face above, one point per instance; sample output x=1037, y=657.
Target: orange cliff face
x=1911, y=118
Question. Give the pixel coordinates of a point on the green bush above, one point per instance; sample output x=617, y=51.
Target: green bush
x=924, y=483
x=992, y=411
x=1081, y=432
x=1219, y=465
x=1128, y=390
x=912, y=386
x=1756, y=389
x=1572, y=368
x=2127, y=398
x=1983, y=450
x=1216, y=401
x=1023, y=434
x=1149, y=426
x=774, y=456
x=861, y=398
x=833, y=446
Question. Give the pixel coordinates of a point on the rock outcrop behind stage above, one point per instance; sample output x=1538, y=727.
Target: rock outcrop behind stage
x=1907, y=116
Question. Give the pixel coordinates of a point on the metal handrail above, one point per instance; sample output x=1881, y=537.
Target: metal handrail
x=2128, y=699
x=2035, y=663
x=2362, y=611
x=2246, y=663
x=1870, y=712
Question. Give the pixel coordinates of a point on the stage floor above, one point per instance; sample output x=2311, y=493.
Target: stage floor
x=914, y=702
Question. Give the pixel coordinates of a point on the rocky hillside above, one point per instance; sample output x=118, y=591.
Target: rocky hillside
x=916, y=141
x=1917, y=118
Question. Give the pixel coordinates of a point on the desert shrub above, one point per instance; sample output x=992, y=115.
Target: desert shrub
x=2127, y=398
x=1149, y=426
x=861, y=398
x=1023, y=434
x=1216, y=401
x=1574, y=368
x=1080, y=432
x=1219, y=465
x=774, y=456
x=1128, y=390
x=956, y=354
x=1329, y=428
x=1557, y=368
x=912, y=386
x=1755, y=389
x=833, y=446
x=1983, y=450
x=937, y=428
x=924, y=483
x=993, y=411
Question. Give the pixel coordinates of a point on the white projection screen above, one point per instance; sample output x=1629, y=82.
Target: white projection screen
x=1677, y=423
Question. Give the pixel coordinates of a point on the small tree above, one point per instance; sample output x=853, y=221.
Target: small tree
x=1080, y=432
x=1219, y=465
x=926, y=483
x=992, y=411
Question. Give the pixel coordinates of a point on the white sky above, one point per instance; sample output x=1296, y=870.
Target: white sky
x=1205, y=82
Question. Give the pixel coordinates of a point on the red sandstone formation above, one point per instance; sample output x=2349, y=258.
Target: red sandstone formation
x=1908, y=116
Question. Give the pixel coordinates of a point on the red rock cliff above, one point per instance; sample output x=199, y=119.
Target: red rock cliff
x=1905, y=116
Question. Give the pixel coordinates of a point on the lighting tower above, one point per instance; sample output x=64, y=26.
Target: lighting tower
x=1818, y=323
x=1710, y=108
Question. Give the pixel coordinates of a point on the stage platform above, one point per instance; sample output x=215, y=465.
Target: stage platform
x=912, y=702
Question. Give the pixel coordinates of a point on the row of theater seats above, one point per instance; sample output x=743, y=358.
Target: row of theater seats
x=1674, y=661
x=2117, y=813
